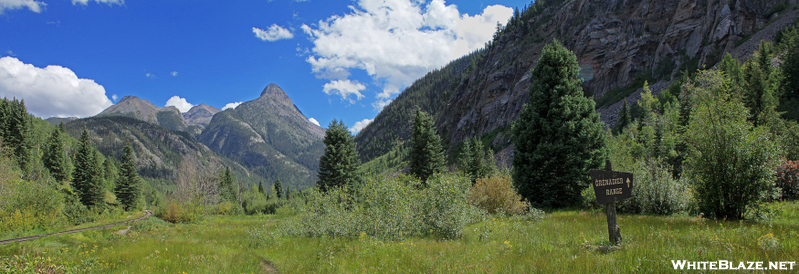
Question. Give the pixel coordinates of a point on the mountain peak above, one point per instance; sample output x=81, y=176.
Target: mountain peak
x=273, y=90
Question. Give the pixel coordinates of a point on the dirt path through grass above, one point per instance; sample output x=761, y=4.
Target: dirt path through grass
x=28, y=238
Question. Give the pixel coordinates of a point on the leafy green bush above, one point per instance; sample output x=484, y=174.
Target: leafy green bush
x=731, y=162
x=26, y=205
x=388, y=208
x=656, y=191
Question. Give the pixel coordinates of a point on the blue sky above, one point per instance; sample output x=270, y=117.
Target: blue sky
x=338, y=59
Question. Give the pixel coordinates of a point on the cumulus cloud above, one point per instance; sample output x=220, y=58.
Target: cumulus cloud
x=273, y=33
x=109, y=2
x=345, y=88
x=179, y=103
x=398, y=41
x=314, y=121
x=360, y=125
x=114, y=97
x=32, y=5
x=174, y=73
x=53, y=91
x=231, y=105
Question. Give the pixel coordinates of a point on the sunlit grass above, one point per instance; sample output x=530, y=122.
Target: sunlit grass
x=563, y=242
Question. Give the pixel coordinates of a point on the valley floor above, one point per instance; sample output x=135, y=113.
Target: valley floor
x=564, y=241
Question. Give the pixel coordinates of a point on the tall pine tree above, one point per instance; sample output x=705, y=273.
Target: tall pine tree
x=54, y=157
x=86, y=176
x=278, y=189
x=427, y=155
x=228, y=186
x=558, y=136
x=338, y=167
x=128, y=182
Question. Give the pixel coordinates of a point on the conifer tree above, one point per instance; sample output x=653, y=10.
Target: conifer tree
x=475, y=161
x=338, y=167
x=278, y=189
x=54, y=158
x=15, y=129
x=128, y=183
x=427, y=155
x=86, y=182
x=558, y=136
x=624, y=117
x=261, y=187
x=228, y=186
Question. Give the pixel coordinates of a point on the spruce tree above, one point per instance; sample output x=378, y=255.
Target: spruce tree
x=261, y=187
x=624, y=118
x=128, y=183
x=228, y=186
x=278, y=189
x=558, y=136
x=427, y=156
x=475, y=161
x=338, y=167
x=54, y=158
x=16, y=135
x=86, y=180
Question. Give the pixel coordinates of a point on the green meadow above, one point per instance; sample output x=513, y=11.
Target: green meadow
x=561, y=242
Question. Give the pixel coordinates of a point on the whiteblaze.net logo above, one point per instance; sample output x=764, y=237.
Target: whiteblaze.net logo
x=730, y=265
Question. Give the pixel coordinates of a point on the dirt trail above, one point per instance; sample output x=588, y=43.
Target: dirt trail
x=28, y=238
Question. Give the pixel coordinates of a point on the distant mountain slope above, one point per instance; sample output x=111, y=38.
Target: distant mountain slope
x=270, y=136
x=134, y=107
x=618, y=44
x=200, y=115
x=159, y=152
x=393, y=124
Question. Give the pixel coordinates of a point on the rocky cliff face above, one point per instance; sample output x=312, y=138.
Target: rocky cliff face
x=614, y=41
x=200, y=115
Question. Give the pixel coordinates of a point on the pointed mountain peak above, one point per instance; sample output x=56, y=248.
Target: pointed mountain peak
x=274, y=91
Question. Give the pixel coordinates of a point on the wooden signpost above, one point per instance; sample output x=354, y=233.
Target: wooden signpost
x=611, y=186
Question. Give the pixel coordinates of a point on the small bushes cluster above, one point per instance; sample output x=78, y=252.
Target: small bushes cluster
x=787, y=178
x=175, y=211
x=389, y=208
x=655, y=191
x=496, y=194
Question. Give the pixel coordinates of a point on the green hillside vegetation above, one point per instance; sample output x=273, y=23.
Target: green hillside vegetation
x=392, y=125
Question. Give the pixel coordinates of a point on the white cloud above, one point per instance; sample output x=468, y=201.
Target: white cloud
x=150, y=75
x=380, y=104
x=109, y=2
x=272, y=34
x=398, y=41
x=314, y=121
x=53, y=91
x=32, y=5
x=114, y=97
x=360, y=125
x=231, y=105
x=174, y=73
x=345, y=88
x=179, y=103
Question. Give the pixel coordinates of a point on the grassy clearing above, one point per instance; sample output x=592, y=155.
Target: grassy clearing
x=561, y=243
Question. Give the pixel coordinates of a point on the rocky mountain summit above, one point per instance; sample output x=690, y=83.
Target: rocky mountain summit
x=135, y=107
x=270, y=136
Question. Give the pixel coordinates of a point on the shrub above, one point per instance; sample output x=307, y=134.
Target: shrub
x=787, y=178
x=656, y=191
x=175, y=211
x=228, y=208
x=731, y=162
x=496, y=193
x=27, y=205
x=388, y=208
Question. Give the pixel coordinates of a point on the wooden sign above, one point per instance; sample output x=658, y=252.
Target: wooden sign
x=611, y=186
